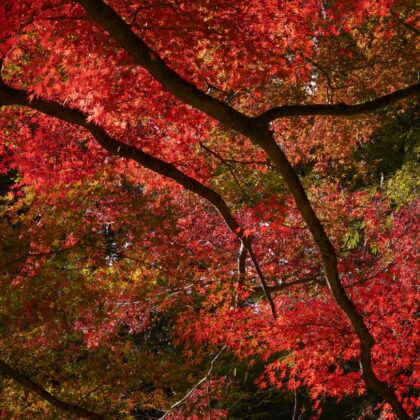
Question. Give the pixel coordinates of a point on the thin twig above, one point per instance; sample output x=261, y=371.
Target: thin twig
x=150, y=6
x=182, y=400
x=230, y=168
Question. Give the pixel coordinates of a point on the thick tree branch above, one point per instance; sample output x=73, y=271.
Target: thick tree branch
x=338, y=109
x=11, y=96
x=61, y=405
x=121, y=32
x=266, y=140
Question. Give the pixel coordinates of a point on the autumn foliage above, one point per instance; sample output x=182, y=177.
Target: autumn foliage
x=206, y=201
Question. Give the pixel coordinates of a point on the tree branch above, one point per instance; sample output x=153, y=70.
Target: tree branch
x=329, y=257
x=205, y=378
x=263, y=281
x=241, y=264
x=121, y=32
x=106, y=17
x=258, y=290
x=338, y=109
x=61, y=405
x=229, y=166
x=11, y=96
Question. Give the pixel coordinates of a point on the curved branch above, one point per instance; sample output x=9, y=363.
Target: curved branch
x=121, y=32
x=338, y=109
x=12, y=96
x=34, y=387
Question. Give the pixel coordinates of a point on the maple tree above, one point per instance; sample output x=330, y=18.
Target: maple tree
x=196, y=194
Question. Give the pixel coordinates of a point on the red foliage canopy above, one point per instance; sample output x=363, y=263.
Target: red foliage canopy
x=203, y=145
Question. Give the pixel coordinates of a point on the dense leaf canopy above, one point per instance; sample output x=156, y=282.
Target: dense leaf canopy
x=209, y=209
